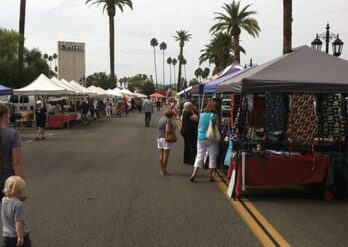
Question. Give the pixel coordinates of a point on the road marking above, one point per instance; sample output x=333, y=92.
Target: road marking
x=256, y=222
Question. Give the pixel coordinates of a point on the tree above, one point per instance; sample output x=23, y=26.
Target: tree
x=163, y=47
x=100, y=79
x=110, y=6
x=287, y=30
x=154, y=43
x=205, y=73
x=184, y=62
x=233, y=20
x=35, y=64
x=198, y=73
x=193, y=82
x=169, y=61
x=218, y=52
x=21, y=32
x=182, y=36
x=148, y=88
x=55, y=56
x=174, y=61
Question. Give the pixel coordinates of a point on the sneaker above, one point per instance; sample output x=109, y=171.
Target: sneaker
x=192, y=178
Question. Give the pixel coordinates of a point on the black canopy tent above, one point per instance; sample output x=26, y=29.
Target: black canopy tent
x=303, y=70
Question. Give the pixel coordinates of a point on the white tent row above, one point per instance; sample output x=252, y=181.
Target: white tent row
x=45, y=86
x=115, y=92
x=99, y=91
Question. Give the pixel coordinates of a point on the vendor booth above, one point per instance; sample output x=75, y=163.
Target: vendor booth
x=289, y=122
x=43, y=86
x=5, y=90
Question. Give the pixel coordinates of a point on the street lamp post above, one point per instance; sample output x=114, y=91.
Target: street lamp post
x=337, y=44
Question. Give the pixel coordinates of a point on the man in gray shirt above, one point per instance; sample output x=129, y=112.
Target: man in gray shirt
x=148, y=110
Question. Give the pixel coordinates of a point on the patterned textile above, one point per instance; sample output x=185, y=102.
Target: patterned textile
x=242, y=118
x=302, y=119
x=257, y=114
x=274, y=119
x=332, y=117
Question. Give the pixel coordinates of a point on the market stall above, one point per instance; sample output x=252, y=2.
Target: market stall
x=5, y=90
x=286, y=115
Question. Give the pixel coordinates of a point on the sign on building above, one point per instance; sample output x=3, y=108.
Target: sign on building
x=71, y=61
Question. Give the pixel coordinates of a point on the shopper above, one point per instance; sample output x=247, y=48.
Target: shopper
x=148, y=110
x=165, y=126
x=189, y=132
x=203, y=144
x=14, y=223
x=10, y=149
x=41, y=119
x=108, y=108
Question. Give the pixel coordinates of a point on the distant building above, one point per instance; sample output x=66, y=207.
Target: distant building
x=71, y=61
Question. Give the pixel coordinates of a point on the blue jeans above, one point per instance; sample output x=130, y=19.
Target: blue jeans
x=147, y=118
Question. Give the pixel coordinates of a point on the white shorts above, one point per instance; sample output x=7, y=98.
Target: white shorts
x=162, y=144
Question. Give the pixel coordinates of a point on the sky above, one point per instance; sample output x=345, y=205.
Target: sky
x=50, y=21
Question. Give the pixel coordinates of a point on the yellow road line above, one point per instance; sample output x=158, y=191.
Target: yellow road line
x=276, y=235
x=250, y=221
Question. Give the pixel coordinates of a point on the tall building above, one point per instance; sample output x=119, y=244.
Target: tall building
x=71, y=61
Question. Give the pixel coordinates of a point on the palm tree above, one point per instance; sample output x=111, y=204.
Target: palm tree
x=287, y=21
x=50, y=59
x=110, y=6
x=169, y=61
x=55, y=56
x=198, y=74
x=154, y=43
x=184, y=62
x=233, y=20
x=205, y=73
x=182, y=36
x=21, y=32
x=163, y=47
x=174, y=61
x=219, y=52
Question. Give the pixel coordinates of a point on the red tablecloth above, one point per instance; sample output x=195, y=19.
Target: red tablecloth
x=275, y=171
x=58, y=121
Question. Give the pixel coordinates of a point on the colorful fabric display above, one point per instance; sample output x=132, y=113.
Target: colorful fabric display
x=332, y=117
x=242, y=118
x=302, y=119
x=258, y=112
x=274, y=118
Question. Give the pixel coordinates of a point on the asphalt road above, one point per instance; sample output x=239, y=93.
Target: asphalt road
x=99, y=185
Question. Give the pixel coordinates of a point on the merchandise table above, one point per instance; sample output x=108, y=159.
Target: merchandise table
x=58, y=121
x=280, y=170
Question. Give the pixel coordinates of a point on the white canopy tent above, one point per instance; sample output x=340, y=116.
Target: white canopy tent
x=139, y=95
x=43, y=86
x=66, y=85
x=99, y=91
x=128, y=92
x=76, y=85
x=114, y=92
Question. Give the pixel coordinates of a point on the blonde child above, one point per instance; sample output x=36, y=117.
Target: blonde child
x=14, y=222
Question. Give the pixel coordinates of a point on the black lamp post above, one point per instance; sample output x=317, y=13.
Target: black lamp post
x=337, y=45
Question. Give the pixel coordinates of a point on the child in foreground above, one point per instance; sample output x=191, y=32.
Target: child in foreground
x=15, y=231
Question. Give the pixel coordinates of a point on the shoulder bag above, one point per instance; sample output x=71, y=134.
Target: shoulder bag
x=213, y=133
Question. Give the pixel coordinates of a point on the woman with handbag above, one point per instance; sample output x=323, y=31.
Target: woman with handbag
x=207, y=140
x=165, y=139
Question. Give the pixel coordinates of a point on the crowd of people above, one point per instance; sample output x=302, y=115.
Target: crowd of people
x=198, y=147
